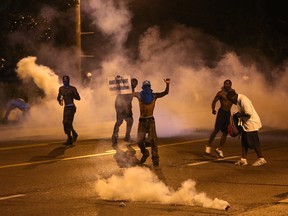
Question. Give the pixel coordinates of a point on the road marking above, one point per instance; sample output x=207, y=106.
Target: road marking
x=283, y=201
x=11, y=197
x=55, y=160
x=185, y=142
x=109, y=152
x=180, y=143
x=211, y=161
x=26, y=146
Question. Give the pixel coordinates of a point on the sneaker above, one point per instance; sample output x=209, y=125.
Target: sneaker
x=144, y=157
x=68, y=142
x=242, y=162
x=115, y=146
x=128, y=139
x=208, y=150
x=219, y=152
x=131, y=149
x=156, y=163
x=75, y=135
x=114, y=139
x=259, y=162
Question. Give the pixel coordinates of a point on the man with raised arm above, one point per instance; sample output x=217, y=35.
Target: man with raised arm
x=147, y=99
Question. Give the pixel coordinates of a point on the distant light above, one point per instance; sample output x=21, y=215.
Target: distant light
x=245, y=77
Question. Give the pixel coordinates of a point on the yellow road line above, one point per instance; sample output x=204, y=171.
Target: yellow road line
x=109, y=152
x=27, y=146
x=283, y=201
x=184, y=142
x=11, y=197
x=211, y=161
x=54, y=160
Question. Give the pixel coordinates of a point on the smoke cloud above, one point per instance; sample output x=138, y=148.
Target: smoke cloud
x=141, y=184
x=42, y=76
x=196, y=63
x=113, y=19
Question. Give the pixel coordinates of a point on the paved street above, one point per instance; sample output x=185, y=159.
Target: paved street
x=43, y=177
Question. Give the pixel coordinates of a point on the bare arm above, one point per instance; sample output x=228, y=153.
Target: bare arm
x=76, y=94
x=166, y=91
x=213, y=105
x=60, y=98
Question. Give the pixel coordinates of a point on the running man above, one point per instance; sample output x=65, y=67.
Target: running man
x=68, y=93
x=222, y=118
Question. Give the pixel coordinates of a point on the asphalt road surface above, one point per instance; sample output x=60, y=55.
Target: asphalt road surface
x=46, y=178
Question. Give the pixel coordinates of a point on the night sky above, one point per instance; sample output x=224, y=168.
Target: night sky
x=195, y=43
x=256, y=29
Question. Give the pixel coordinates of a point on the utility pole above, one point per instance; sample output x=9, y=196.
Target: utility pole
x=79, y=33
x=78, y=39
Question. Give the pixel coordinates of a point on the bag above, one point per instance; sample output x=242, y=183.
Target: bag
x=233, y=128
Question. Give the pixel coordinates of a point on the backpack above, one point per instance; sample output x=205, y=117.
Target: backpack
x=233, y=128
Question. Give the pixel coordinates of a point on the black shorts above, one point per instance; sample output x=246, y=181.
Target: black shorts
x=222, y=121
x=250, y=139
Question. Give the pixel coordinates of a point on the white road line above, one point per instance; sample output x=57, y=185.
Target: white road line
x=12, y=196
x=211, y=161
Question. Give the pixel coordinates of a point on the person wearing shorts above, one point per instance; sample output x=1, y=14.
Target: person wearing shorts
x=250, y=123
x=222, y=118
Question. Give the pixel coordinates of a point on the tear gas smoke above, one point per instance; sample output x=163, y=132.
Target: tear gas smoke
x=42, y=76
x=141, y=184
x=182, y=54
x=113, y=19
x=48, y=114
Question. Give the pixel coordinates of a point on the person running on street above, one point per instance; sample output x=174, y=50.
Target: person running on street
x=222, y=118
x=68, y=93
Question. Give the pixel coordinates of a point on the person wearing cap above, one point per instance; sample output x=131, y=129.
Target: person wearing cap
x=68, y=93
x=147, y=99
x=123, y=107
x=250, y=123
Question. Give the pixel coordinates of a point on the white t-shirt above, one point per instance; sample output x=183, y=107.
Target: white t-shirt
x=252, y=123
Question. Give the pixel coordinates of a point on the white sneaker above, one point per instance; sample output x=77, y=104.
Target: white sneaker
x=259, y=162
x=208, y=150
x=242, y=162
x=219, y=152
